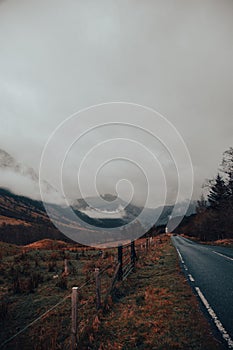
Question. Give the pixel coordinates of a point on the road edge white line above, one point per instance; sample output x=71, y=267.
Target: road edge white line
x=209, y=309
x=191, y=277
x=225, y=256
x=218, y=323
x=180, y=256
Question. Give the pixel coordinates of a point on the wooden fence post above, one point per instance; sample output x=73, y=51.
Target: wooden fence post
x=110, y=289
x=132, y=253
x=98, y=288
x=74, y=318
x=66, y=272
x=147, y=244
x=120, y=272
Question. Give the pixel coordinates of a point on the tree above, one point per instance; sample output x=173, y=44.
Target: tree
x=214, y=220
x=218, y=194
x=227, y=169
x=201, y=205
x=227, y=162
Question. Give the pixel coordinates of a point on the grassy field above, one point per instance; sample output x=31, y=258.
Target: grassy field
x=154, y=308
x=227, y=242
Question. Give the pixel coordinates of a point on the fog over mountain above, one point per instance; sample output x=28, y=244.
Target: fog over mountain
x=88, y=220
x=21, y=179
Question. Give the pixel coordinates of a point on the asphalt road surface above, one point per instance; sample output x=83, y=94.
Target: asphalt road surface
x=210, y=272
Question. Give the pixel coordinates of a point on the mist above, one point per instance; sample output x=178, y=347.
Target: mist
x=58, y=57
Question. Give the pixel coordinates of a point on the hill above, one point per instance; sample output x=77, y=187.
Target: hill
x=23, y=220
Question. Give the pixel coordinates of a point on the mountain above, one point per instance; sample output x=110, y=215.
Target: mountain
x=22, y=179
x=108, y=206
x=7, y=162
x=24, y=220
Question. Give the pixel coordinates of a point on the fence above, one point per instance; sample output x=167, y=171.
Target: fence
x=101, y=284
x=126, y=259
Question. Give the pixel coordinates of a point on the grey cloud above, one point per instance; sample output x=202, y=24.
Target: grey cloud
x=60, y=56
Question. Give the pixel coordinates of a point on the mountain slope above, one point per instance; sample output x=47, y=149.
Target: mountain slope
x=23, y=220
x=22, y=179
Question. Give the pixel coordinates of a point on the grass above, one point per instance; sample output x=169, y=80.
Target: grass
x=21, y=301
x=153, y=309
x=227, y=242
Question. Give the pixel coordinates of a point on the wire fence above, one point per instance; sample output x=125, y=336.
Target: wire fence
x=92, y=295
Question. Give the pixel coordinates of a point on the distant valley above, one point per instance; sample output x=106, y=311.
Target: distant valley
x=24, y=220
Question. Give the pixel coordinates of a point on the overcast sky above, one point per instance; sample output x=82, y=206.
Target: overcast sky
x=175, y=56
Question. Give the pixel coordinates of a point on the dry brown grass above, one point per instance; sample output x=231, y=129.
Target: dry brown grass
x=5, y=220
x=153, y=309
x=224, y=242
x=47, y=244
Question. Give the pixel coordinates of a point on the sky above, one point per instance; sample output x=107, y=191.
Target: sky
x=175, y=56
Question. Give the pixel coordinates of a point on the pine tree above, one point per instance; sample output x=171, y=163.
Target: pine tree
x=227, y=169
x=201, y=204
x=215, y=220
x=218, y=194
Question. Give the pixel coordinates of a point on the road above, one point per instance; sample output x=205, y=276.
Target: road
x=210, y=272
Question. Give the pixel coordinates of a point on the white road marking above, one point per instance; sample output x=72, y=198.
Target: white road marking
x=191, y=278
x=218, y=324
x=225, y=256
x=181, y=259
x=211, y=312
x=185, y=267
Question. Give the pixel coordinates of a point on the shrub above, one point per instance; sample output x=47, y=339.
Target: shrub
x=16, y=286
x=54, y=256
x=62, y=282
x=52, y=266
x=4, y=308
x=34, y=281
